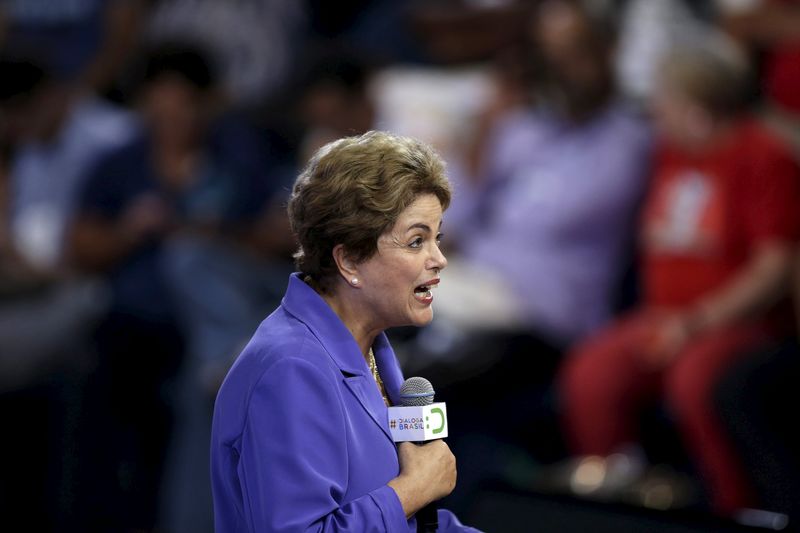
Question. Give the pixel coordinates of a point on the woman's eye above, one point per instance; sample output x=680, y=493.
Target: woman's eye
x=439, y=238
x=416, y=243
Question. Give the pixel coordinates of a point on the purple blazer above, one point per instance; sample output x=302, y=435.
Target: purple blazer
x=300, y=438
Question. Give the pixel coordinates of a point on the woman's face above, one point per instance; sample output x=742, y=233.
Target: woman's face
x=677, y=118
x=175, y=110
x=397, y=281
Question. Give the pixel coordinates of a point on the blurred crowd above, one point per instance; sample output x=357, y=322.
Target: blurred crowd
x=617, y=320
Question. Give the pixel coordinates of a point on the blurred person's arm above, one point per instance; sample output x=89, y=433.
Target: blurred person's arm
x=757, y=287
x=98, y=244
x=488, y=159
x=760, y=284
x=760, y=22
x=770, y=221
x=121, y=30
x=268, y=235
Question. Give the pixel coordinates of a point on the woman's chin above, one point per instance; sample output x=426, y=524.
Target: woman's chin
x=422, y=318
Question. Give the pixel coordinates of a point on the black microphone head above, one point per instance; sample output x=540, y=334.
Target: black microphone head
x=416, y=392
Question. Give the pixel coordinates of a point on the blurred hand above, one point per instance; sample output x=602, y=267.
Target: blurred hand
x=146, y=217
x=667, y=336
x=427, y=473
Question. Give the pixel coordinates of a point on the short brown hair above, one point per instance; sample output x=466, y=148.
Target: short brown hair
x=352, y=191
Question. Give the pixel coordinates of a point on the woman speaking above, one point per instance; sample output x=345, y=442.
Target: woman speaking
x=300, y=435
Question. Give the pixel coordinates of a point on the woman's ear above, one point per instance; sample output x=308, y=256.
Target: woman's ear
x=348, y=268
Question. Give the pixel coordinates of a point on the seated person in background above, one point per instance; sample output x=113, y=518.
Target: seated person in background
x=541, y=234
x=543, y=227
x=717, y=237
x=196, y=182
x=541, y=231
x=168, y=219
x=55, y=134
x=51, y=135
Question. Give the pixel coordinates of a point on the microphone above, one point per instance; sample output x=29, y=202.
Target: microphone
x=417, y=418
x=412, y=422
x=416, y=391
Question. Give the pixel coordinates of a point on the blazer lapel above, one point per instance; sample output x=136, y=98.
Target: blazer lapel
x=307, y=306
x=366, y=392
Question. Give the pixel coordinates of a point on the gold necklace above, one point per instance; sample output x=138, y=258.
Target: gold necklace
x=373, y=368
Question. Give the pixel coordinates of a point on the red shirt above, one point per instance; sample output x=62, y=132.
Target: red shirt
x=705, y=213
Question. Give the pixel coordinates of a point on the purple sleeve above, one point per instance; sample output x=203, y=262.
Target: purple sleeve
x=448, y=523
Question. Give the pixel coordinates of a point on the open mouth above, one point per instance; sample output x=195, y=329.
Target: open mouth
x=423, y=292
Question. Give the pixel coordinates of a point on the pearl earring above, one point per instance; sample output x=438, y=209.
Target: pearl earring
x=354, y=281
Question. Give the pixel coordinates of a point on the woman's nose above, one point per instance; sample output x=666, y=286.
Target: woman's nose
x=437, y=260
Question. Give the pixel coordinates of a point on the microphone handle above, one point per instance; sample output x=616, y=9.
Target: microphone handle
x=428, y=519
x=428, y=516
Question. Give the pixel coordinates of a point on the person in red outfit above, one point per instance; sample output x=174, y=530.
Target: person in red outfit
x=716, y=239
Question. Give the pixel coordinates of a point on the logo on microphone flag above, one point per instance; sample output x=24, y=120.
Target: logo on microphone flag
x=418, y=423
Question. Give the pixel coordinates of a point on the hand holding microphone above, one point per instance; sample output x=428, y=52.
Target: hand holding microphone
x=427, y=474
x=427, y=469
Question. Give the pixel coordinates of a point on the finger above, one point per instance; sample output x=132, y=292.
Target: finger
x=405, y=447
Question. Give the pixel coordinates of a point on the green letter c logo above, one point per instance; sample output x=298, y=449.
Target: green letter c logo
x=438, y=411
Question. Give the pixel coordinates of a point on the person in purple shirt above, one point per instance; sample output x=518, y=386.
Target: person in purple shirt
x=300, y=437
x=545, y=224
x=543, y=220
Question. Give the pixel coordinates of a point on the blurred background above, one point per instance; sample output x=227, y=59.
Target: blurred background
x=615, y=334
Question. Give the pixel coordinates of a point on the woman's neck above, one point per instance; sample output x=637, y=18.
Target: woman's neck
x=355, y=318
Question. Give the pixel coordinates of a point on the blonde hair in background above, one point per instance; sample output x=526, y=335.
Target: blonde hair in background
x=713, y=73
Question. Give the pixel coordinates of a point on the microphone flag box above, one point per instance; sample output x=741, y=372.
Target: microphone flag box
x=418, y=423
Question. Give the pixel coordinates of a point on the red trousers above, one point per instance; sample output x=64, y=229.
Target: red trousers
x=604, y=385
